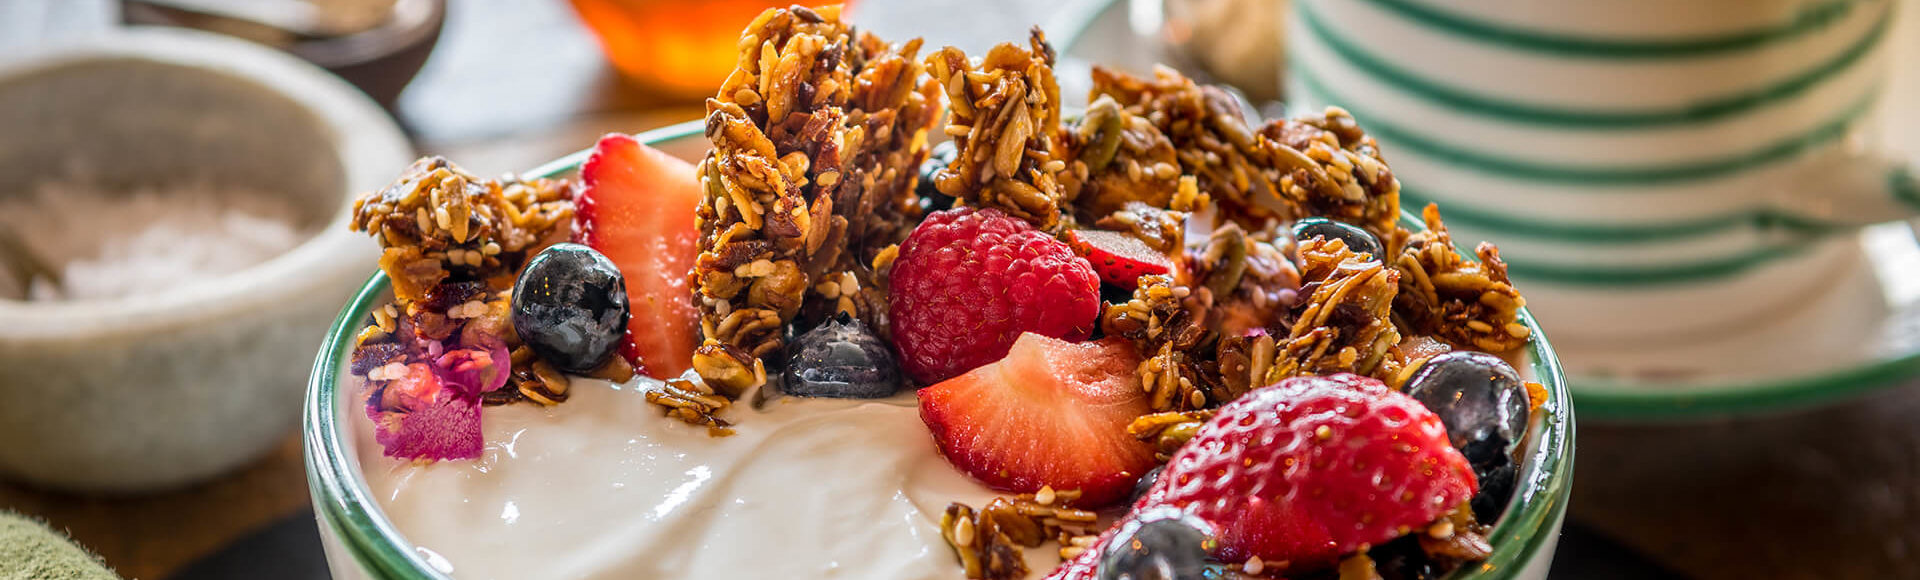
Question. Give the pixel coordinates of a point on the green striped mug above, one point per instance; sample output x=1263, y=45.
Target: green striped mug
x=1647, y=166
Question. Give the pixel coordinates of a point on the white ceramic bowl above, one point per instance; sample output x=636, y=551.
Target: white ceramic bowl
x=184, y=383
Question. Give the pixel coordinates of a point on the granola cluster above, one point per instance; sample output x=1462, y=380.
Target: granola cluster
x=817, y=136
x=1003, y=115
x=438, y=222
x=1467, y=303
x=451, y=244
x=1286, y=169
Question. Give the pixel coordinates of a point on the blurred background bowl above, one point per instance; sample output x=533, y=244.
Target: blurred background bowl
x=378, y=45
x=177, y=385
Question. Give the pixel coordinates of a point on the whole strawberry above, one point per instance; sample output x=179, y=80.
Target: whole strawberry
x=967, y=282
x=1311, y=468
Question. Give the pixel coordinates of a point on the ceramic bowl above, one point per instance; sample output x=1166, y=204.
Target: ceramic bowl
x=362, y=543
x=178, y=385
x=380, y=60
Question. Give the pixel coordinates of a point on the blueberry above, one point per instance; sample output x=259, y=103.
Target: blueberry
x=1484, y=406
x=840, y=359
x=1146, y=483
x=570, y=307
x=931, y=200
x=1358, y=240
x=1497, y=474
x=1158, y=544
x=1403, y=559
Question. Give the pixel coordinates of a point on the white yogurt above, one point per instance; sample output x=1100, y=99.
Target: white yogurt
x=604, y=486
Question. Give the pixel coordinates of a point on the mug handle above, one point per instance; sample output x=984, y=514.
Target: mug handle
x=1853, y=188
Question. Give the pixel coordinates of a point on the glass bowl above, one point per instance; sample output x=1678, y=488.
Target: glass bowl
x=362, y=543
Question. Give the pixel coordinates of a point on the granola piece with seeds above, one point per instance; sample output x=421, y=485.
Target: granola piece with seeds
x=693, y=402
x=1470, y=304
x=1123, y=174
x=816, y=136
x=1345, y=322
x=451, y=246
x=1211, y=139
x=1331, y=168
x=438, y=222
x=1249, y=281
x=1287, y=169
x=1004, y=117
x=1168, y=430
x=1116, y=159
x=989, y=541
x=1164, y=321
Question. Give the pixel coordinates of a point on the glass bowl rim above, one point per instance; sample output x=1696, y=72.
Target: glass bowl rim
x=346, y=509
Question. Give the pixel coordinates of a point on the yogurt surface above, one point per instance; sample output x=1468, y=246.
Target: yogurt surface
x=604, y=486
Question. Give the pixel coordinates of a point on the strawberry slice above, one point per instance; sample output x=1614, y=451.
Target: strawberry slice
x=1052, y=413
x=1312, y=468
x=636, y=207
x=1118, y=258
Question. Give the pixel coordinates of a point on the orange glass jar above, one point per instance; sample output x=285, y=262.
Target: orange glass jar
x=675, y=49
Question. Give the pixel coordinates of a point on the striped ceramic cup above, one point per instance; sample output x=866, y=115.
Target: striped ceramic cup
x=1647, y=166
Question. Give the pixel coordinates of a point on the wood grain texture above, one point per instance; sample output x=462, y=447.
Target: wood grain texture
x=148, y=536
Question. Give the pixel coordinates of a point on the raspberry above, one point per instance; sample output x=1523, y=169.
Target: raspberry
x=967, y=282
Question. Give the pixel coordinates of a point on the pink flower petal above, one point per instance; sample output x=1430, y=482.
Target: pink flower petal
x=449, y=429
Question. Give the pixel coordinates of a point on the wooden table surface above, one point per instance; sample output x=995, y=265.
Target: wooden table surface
x=1829, y=493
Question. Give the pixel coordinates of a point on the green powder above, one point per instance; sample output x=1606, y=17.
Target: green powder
x=31, y=551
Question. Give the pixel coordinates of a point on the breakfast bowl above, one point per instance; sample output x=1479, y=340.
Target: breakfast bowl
x=364, y=540
x=164, y=386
